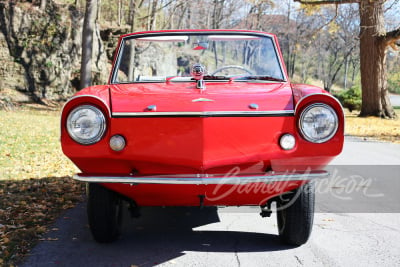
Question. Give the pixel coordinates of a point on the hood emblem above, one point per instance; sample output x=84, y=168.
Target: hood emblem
x=198, y=71
x=202, y=100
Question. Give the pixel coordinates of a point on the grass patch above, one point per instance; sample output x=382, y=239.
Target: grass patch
x=30, y=147
x=34, y=183
x=374, y=128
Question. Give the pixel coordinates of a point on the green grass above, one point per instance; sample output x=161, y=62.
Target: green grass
x=30, y=147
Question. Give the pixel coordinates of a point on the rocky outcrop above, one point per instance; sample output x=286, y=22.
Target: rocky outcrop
x=42, y=49
x=11, y=73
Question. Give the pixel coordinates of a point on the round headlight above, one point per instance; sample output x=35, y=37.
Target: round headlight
x=318, y=123
x=86, y=124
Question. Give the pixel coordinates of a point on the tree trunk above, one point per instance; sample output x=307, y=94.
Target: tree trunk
x=98, y=10
x=131, y=18
x=152, y=15
x=375, y=99
x=87, y=43
x=119, y=13
x=132, y=15
x=189, y=15
x=346, y=72
x=43, y=4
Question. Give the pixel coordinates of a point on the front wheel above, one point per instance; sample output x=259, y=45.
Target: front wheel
x=104, y=210
x=296, y=215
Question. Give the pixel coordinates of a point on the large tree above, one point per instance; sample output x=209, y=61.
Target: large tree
x=374, y=40
x=87, y=42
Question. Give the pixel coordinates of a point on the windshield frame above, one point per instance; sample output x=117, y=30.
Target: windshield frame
x=150, y=34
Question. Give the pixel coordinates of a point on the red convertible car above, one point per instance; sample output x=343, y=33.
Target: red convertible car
x=201, y=118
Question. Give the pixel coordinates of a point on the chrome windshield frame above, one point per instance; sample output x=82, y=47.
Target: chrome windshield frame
x=124, y=38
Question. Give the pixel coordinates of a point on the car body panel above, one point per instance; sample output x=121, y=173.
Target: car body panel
x=184, y=97
x=228, y=128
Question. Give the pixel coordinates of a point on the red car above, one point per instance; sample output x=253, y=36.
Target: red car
x=201, y=118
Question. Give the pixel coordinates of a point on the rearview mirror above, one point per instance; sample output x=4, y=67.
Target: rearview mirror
x=200, y=46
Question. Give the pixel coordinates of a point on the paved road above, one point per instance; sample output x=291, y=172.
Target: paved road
x=237, y=237
x=395, y=100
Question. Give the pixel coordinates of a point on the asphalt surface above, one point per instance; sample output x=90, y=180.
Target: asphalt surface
x=395, y=100
x=358, y=236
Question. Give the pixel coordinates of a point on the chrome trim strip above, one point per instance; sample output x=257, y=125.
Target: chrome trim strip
x=203, y=179
x=276, y=113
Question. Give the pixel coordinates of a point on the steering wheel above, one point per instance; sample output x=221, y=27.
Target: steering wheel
x=232, y=67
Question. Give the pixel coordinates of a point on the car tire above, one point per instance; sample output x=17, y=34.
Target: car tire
x=104, y=211
x=295, y=215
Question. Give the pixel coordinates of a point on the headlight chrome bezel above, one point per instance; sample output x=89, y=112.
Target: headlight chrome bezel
x=99, y=122
x=325, y=137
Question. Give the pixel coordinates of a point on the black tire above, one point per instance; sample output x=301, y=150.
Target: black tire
x=296, y=215
x=104, y=210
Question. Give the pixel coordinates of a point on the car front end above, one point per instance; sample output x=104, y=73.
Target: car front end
x=217, y=124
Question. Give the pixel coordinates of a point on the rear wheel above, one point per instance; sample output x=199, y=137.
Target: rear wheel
x=296, y=215
x=104, y=210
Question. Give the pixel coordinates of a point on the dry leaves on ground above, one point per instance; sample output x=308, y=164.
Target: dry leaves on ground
x=28, y=207
x=374, y=128
x=32, y=195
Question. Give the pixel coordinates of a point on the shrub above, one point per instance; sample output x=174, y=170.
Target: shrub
x=351, y=98
x=394, y=83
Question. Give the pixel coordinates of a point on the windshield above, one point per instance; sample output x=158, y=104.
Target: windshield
x=193, y=56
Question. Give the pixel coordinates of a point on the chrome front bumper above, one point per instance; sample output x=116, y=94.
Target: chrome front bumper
x=205, y=179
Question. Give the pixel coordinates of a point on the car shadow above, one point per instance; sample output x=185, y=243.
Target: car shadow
x=159, y=235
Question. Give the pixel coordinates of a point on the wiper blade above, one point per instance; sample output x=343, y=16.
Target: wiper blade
x=260, y=78
x=205, y=77
x=214, y=77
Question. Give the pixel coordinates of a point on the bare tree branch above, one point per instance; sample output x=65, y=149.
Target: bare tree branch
x=158, y=9
x=391, y=38
x=329, y=22
x=394, y=3
x=324, y=2
x=393, y=35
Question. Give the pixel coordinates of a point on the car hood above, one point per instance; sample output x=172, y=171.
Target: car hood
x=185, y=97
